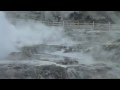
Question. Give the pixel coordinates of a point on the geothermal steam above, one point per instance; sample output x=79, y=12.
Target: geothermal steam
x=6, y=36
x=29, y=33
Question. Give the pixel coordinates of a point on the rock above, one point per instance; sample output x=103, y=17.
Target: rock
x=88, y=50
x=32, y=72
x=113, y=45
x=88, y=72
x=42, y=48
x=25, y=71
x=68, y=49
x=51, y=72
x=17, y=56
x=68, y=61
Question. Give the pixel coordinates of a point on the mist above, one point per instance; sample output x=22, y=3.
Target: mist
x=30, y=33
x=25, y=33
x=87, y=47
x=6, y=36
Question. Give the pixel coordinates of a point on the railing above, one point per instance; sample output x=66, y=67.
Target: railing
x=78, y=25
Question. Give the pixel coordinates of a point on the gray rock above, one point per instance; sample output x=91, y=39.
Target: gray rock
x=23, y=71
x=68, y=61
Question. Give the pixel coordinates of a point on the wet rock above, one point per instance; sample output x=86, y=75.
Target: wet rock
x=29, y=50
x=68, y=61
x=75, y=48
x=17, y=56
x=24, y=71
x=113, y=45
x=51, y=72
x=32, y=72
x=88, y=72
x=69, y=49
x=36, y=49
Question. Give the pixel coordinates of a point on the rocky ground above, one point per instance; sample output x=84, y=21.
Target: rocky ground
x=24, y=71
x=63, y=62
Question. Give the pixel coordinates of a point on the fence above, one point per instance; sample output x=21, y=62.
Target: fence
x=78, y=25
x=87, y=26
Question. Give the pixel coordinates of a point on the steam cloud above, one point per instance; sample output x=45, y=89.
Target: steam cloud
x=29, y=33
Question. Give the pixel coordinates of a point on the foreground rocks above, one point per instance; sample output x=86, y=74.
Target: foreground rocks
x=25, y=71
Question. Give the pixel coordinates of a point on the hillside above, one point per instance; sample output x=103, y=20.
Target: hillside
x=82, y=16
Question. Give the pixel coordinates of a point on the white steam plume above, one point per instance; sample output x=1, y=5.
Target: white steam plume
x=6, y=36
x=27, y=33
